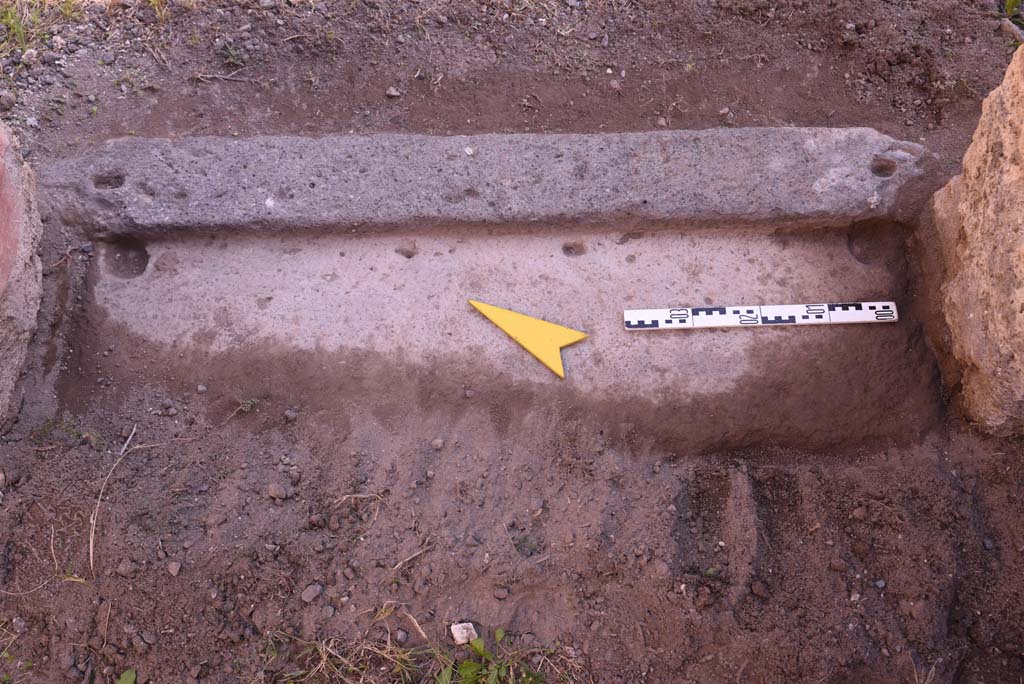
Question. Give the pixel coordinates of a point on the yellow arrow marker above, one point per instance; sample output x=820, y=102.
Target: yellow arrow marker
x=542, y=339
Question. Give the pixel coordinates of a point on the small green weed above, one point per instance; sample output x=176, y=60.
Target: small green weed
x=232, y=56
x=364, y=660
x=486, y=667
x=1013, y=11
x=127, y=677
x=56, y=430
x=26, y=23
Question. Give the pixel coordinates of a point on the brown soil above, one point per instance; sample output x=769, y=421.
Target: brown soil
x=655, y=553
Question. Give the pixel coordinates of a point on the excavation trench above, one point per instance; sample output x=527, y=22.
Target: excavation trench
x=282, y=328
x=257, y=302
x=370, y=248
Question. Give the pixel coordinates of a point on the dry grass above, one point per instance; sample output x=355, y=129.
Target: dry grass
x=26, y=24
x=923, y=674
x=125, y=451
x=380, y=659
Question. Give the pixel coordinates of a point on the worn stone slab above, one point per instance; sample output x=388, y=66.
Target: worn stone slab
x=775, y=176
x=403, y=300
x=20, y=268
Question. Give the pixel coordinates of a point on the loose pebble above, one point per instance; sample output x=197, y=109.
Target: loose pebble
x=463, y=632
x=310, y=593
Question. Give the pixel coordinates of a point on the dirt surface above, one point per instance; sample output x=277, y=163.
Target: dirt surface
x=448, y=491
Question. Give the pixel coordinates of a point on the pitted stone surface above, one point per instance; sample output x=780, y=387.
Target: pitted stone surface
x=766, y=176
x=980, y=222
x=20, y=269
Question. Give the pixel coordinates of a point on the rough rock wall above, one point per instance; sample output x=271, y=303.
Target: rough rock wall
x=979, y=223
x=20, y=269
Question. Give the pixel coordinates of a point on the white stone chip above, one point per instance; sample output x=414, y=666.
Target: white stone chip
x=463, y=632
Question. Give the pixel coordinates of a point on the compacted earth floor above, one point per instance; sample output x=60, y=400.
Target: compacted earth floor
x=271, y=515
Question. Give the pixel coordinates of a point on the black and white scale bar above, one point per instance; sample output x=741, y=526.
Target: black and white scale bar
x=778, y=314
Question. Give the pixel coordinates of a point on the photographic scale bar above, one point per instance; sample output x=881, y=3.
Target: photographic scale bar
x=746, y=316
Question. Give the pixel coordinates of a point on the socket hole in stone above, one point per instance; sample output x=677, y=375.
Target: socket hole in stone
x=126, y=257
x=883, y=166
x=572, y=249
x=877, y=242
x=108, y=180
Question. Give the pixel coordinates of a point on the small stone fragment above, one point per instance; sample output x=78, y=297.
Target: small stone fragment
x=311, y=592
x=276, y=491
x=290, y=415
x=837, y=565
x=463, y=632
x=216, y=519
x=174, y=567
x=393, y=92
x=1011, y=30
x=759, y=589
x=7, y=100
x=401, y=636
x=501, y=593
x=859, y=513
x=437, y=444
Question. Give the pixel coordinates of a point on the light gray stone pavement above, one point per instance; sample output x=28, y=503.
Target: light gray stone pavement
x=812, y=177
